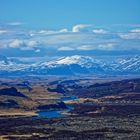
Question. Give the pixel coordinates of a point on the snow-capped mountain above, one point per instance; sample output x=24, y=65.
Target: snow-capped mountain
x=72, y=65
x=76, y=59
x=3, y=60
x=129, y=65
x=10, y=65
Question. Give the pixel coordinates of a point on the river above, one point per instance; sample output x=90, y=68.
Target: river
x=57, y=113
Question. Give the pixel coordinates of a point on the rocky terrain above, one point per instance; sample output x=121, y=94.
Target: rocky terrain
x=90, y=108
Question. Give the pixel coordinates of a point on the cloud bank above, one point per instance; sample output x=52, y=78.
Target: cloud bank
x=80, y=37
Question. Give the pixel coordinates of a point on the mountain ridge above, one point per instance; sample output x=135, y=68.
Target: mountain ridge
x=72, y=65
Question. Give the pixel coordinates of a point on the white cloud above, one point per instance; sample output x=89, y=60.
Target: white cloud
x=87, y=28
x=31, y=43
x=85, y=47
x=37, y=51
x=99, y=31
x=65, y=49
x=63, y=30
x=15, y=23
x=22, y=44
x=45, y=32
x=105, y=46
x=108, y=46
x=135, y=31
x=3, y=31
x=130, y=36
x=48, y=32
x=15, y=43
x=81, y=28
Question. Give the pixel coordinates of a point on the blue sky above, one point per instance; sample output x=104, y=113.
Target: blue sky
x=66, y=13
x=53, y=27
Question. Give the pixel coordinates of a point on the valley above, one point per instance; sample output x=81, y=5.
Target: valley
x=68, y=108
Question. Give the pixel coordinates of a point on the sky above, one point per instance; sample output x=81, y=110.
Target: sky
x=66, y=13
x=42, y=27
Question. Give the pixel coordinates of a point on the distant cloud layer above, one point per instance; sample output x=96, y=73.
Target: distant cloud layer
x=15, y=23
x=80, y=37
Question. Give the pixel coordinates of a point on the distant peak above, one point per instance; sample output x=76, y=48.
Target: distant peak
x=74, y=59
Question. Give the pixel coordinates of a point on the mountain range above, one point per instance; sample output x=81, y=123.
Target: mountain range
x=71, y=65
